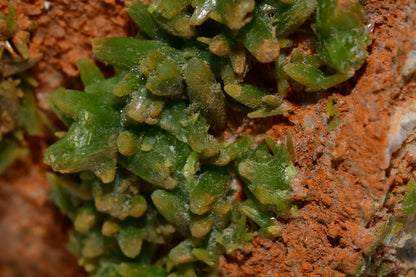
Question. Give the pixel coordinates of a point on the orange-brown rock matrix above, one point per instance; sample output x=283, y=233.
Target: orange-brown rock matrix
x=343, y=175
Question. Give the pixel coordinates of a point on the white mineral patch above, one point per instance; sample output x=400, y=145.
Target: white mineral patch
x=235, y=184
x=410, y=65
x=403, y=125
x=47, y=5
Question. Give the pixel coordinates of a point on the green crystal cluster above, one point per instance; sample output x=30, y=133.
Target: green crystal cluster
x=155, y=197
x=18, y=110
x=395, y=238
x=150, y=190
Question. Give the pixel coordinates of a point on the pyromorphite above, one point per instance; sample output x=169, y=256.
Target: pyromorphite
x=91, y=141
x=156, y=190
x=19, y=114
x=269, y=186
x=342, y=36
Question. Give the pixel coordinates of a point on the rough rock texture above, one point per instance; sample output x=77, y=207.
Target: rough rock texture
x=64, y=33
x=343, y=175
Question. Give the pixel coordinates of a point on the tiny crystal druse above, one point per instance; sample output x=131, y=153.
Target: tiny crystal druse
x=150, y=190
x=18, y=111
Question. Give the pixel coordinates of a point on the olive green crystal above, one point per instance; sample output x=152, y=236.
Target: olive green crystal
x=152, y=190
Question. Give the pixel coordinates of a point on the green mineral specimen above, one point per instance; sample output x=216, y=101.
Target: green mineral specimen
x=117, y=202
x=182, y=253
x=206, y=188
x=235, y=150
x=202, y=11
x=153, y=190
x=269, y=186
x=313, y=78
x=409, y=201
x=261, y=214
x=258, y=37
x=288, y=17
x=127, y=53
x=164, y=76
x=179, y=25
x=169, y=9
x=342, y=36
x=200, y=225
x=235, y=13
x=144, y=106
x=85, y=218
x=135, y=270
x=334, y=119
x=130, y=239
x=206, y=93
x=189, y=128
x=91, y=139
x=10, y=150
x=246, y=94
x=144, y=20
x=174, y=208
x=234, y=236
x=159, y=158
x=19, y=113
